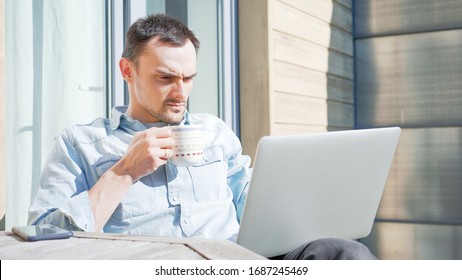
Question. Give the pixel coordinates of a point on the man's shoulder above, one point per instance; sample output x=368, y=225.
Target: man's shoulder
x=206, y=120
x=88, y=133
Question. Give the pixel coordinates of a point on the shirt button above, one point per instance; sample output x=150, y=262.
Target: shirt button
x=186, y=221
x=174, y=198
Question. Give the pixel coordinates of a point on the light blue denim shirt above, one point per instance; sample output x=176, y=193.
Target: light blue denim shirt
x=202, y=201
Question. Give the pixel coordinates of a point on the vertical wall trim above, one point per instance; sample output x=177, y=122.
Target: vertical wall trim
x=109, y=55
x=228, y=64
x=254, y=62
x=2, y=115
x=37, y=41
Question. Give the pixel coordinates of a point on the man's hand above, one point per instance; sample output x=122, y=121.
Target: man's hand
x=148, y=150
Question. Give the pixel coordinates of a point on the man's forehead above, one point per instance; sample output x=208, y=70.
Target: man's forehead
x=162, y=58
x=156, y=43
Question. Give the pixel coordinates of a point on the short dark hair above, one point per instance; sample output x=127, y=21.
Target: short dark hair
x=166, y=28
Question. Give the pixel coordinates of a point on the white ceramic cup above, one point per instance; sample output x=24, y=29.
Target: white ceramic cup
x=189, y=144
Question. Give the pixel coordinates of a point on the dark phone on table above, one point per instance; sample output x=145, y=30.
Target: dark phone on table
x=41, y=232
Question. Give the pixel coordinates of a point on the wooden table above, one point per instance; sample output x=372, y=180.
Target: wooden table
x=116, y=246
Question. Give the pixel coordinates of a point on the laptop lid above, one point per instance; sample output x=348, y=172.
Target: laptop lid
x=306, y=187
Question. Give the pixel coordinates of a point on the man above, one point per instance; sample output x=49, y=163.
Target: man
x=113, y=175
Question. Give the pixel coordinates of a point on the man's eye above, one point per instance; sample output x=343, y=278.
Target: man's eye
x=164, y=78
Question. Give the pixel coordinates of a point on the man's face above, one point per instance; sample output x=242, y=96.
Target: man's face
x=161, y=81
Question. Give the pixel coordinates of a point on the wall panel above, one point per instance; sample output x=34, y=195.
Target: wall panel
x=378, y=17
x=308, y=82
x=312, y=69
x=309, y=27
x=306, y=54
x=296, y=67
x=401, y=241
x=411, y=80
x=408, y=58
x=424, y=183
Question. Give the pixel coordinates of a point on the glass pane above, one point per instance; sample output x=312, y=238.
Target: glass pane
x=201, y=17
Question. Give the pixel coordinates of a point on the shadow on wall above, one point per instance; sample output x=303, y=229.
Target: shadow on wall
x=340, y=70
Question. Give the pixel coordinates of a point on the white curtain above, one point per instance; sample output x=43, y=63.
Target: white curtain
x=54, y=75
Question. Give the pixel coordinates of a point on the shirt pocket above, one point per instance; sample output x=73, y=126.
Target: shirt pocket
x=210, y=177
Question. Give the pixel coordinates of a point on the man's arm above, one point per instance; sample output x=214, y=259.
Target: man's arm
x=64, y=197
x=148, y=150
x=239, y=172
x=61, y=197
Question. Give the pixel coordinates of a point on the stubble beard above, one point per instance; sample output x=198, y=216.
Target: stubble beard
x=168, y=116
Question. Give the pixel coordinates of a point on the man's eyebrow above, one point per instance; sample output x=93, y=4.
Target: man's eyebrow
x=191, y=76
x=174, y=75
x=166, y=73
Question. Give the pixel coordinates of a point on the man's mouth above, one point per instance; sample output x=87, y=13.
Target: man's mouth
x=175, y=104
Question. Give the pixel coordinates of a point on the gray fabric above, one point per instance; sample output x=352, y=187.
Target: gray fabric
x=331, y=249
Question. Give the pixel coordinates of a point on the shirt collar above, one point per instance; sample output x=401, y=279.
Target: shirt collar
x=118, y=112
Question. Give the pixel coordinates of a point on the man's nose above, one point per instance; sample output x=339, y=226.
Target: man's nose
x=180, y=90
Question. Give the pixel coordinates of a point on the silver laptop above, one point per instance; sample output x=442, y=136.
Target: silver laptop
x=306, y=187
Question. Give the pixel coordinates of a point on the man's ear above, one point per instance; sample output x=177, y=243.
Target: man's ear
x=125, y=66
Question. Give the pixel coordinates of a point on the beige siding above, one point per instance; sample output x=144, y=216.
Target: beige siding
x=308, y=55
x=299, y=80
x=306, y=25
x=324, y=10
x=297, y=69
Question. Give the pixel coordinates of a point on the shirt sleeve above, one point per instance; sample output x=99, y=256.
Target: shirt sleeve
x=239, y=172
x=61, y=197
